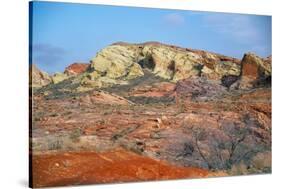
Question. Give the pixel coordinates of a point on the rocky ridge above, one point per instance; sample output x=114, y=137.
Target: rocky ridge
x=120, y=63
x=125, y=61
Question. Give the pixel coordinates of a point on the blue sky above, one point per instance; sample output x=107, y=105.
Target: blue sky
x=64, y=33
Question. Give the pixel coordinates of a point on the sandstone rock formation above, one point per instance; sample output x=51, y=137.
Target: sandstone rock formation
x=121, y=62
x=76, y=68
x=175, y=63
x=103, y=97
x=59, y=77
x=38, y=78
x=254, y=70
x=71, y=71
x=155, y=90
x=112, y=65
x=116, y=62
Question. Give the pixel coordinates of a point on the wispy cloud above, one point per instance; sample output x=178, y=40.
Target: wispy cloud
x=47, y=54
x=263, y=50
x=240, y=27
x=47, y=48
x=174, y=19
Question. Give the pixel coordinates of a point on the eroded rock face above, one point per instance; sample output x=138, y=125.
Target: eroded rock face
x=120, y=63
x=123, y=62
x=175, y=63
x=117, y=62
x=198, y=88
x=76, y=68
x=254, y=70
x=38, y=78
x=113, y=65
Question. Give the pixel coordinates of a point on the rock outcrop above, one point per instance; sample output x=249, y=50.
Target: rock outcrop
x=254, y=71
x=116, y=62
x=76, y=68
x=154, y=90
x=198, y=88
x=176, y=63
x=121, y=62
x=72, y=70
x=59, y=77
x=113, y=65
x=38, y=78
x=103, y=97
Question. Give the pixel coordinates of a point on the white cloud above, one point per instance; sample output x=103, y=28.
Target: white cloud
x=261, y=50
x=174, y=19
x=240, y=27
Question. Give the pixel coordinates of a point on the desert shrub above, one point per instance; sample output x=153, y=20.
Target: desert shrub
x=238, y=169
x=262, y=161
x=101, y=122
x=171, y=66
x=36, y=118
x=54, y=114
x=75, y=134
x=199, y=68
x=221, y=148
x=124, y=132
x=188, y=149
x=152, y=100
x=56, y=144
x=181, y=106
x=264, y=81
x=135, y=147
x=108, y=112
x=67, y=113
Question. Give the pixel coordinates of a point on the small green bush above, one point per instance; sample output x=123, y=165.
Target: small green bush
x=75, y=135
